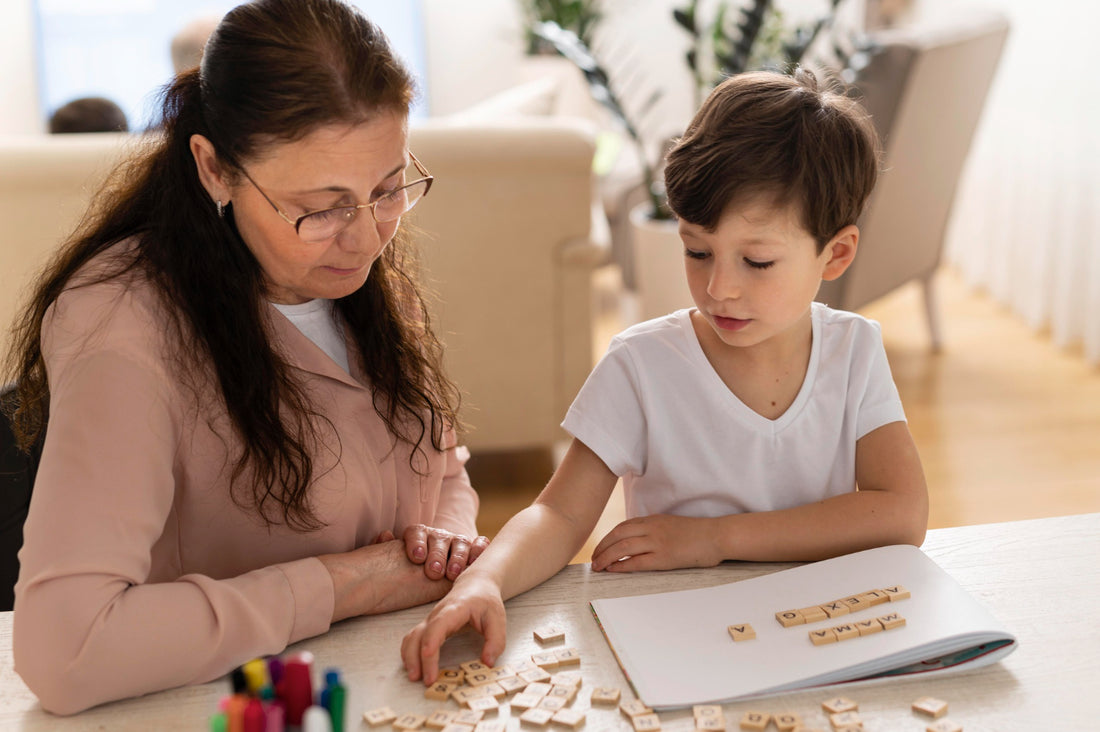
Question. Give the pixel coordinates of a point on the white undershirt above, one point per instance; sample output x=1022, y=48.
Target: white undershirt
x=317, y=321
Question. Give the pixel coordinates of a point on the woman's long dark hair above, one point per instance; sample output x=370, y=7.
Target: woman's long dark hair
x=273, y=72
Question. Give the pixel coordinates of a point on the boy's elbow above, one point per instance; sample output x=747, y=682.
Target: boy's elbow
x=915, y=535
x=914, y=524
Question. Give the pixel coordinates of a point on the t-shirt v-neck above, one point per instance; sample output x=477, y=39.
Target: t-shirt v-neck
x=743, y=412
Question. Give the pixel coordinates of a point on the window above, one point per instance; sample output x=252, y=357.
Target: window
x=119, y=49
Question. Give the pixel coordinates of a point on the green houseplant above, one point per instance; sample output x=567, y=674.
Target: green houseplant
x=578, y=16
x=732, y=38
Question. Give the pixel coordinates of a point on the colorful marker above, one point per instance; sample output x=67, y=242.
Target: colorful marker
x=296, y=688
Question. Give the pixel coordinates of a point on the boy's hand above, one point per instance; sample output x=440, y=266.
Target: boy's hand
x=443, y=553
x=660, y=541
x=474, y=601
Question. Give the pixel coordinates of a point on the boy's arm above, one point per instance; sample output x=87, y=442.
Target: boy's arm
x=534, y=545
x=890, y=507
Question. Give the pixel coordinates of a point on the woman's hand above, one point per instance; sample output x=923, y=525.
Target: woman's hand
x=660, y=541
x=443, y=553
x=378, y=578
x=475, y=601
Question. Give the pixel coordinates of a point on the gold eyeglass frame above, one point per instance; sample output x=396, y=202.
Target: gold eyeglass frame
x=297, y=223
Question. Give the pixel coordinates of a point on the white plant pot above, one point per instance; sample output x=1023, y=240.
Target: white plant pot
x=658, y=265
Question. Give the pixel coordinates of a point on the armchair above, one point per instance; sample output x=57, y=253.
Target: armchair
x=925, y=92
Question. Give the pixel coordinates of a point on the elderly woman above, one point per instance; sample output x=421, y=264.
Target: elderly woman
x=241, y=396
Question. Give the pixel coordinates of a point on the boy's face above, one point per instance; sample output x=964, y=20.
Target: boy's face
x=753, y=279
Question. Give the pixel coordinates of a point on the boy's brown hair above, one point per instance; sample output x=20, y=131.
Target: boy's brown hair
x=766, y=132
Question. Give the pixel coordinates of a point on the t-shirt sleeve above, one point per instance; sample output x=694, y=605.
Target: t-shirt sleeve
x=88, y=626
x=608, y=415
x=879, y=403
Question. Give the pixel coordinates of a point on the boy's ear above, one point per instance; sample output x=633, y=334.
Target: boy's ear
x=209, y=168
x=840, y=251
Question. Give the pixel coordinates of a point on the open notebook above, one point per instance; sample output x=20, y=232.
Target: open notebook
x=676, y=650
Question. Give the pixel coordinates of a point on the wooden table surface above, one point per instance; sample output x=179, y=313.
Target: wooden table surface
x=1039, y=577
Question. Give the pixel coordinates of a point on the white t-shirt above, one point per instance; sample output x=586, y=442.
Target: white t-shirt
x=659, y=415
x=317, y=321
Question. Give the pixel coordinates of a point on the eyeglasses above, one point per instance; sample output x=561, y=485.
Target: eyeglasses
x=318, y=226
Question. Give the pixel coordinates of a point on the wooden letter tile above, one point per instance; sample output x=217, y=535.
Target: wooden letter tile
x=838, y=705
x=856, y=603
x=567, y=678
x=439, y=691
x=512, y=684
x=703, y=711
x=835, y=608
x=846, y=631
x=536, y=716
x=468, y=717
x=502, y=672
x=492, y=725
x=525, y=700
x=646, y=722
x=867, y=627
x=471, y=666
x=464, y=694
x=934, y=708
x=741, y=632
x=549, y=634
x=479, y=678
x=534, y=675
x=409, y=721
x=483, y=703
x=563, y=691
x=787, y=721
x=634, y=708
x=813, y=614
x=458, y=728
x=379, y=716
x=439, y=719
x=842, y=720
x=539, y=688
x=787, y=618
x=895, y=593
x=944, y=725
x=710, y=723
x=544, y=660
x=495, y=690
x=876, y=597
x=755, y=720
x=569, y=718
x=553, y=703
x=893, y=620
x=451, y=675
x=823, y=636
x=605, y=695
x=567, y=656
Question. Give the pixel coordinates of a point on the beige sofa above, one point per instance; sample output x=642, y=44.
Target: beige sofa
x=508, y=241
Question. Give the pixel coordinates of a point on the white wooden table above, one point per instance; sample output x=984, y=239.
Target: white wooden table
x=1040, y=577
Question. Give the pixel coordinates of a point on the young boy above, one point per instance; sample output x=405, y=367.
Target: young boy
x=758, y=425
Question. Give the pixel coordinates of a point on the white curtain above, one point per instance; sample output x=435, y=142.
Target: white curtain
x=1026, y=222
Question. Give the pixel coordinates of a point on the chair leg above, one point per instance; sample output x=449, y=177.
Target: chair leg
x=932, y=313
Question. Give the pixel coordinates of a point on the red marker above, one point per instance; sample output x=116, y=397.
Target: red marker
x=254, y=718
x=296, y=688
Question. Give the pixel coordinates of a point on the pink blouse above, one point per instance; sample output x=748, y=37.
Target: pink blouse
x=138, y=570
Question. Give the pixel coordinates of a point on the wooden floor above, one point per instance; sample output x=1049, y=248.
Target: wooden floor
x=1008, y=425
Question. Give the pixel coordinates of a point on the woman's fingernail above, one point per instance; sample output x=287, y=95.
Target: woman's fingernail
x=455, y=568
x=437, y=566
x=418, y=552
